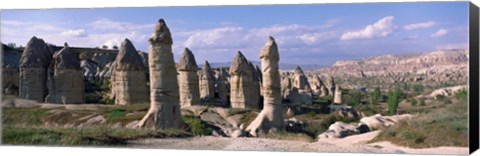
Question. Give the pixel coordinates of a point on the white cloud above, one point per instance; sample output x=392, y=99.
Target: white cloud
x=107, y=24
x=440, y=33
x=381, y=28
x=75, y=33
x=420, y=25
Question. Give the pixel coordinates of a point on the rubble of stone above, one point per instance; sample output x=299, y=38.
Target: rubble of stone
x=128, y=81
x=65, y=80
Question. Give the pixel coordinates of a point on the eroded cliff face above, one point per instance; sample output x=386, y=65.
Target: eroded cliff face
x=436, y=66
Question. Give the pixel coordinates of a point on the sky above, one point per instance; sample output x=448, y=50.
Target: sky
x=306, y=34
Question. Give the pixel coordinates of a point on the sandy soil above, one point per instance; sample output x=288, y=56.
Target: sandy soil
x=351, y=144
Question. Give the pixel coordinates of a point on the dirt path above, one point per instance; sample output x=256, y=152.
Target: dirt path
x=352, y=144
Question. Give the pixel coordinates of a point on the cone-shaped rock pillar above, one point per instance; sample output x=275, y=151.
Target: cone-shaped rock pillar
x=330, y=85
x=188, y=79
x=222, y=87
x=164, y=112
x=301, y=83
x=65, y=78
x=255, y=86
x=34, y=64
x=338, y=95
x=128, y=80
x=241, y=81
x=207, y=83
x=271, y=117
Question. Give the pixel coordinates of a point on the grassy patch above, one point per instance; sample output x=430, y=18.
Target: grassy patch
x=197, y=126
x=446, y=126
x=23, y=116
x=78, y=136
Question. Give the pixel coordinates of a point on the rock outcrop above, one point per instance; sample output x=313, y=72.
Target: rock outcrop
x=207, y=83
x=65, y=80
x=164, y=110
x=338, y=95
x=222, y=88
x=300, y=82
x=271, y=117
x=188, y=82
x=241, y=80
x=128, y=80
x=436, y=66
x=34, y=64
x=330, y=85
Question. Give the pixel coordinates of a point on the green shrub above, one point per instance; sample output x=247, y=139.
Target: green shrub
x=414, y=102
x=312, y=113
x=418, y=88
x=197, y=126
x=115, y=114
x=393, y=100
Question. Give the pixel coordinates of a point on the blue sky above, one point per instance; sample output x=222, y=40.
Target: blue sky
x=306, y=34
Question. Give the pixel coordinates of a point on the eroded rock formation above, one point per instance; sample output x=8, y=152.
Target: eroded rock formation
x=338, y=95
x=34, y=64
x=128, y=80
x=164, y=112
x=65, y=80
x=207, y=83
x=271, y=117
x=241, y=80
x=188, y=79
x=300, y=82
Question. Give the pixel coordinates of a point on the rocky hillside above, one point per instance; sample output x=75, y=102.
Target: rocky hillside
x=436, y=66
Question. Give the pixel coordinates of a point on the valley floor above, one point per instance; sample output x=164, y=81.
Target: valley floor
x=351, y=144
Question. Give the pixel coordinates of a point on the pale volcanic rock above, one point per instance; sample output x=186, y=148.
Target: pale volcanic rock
x=128, y=80
x=34, y=64
x=164, y=110
x=222, y=88
x=316, y=85
x=188, y=79
x=330, y=85
x=436, y=66
x=255, y=86
x=338, y=95
x=241, y=80
x=65, y=80
x=300, y=82
x=207, y=83
x=271, y=117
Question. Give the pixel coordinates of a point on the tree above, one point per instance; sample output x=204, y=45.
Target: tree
x=377, y=93
x=115, y=47
x=104, y=47
x=393, y=101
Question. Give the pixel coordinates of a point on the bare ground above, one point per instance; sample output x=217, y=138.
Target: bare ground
x=352, y=144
